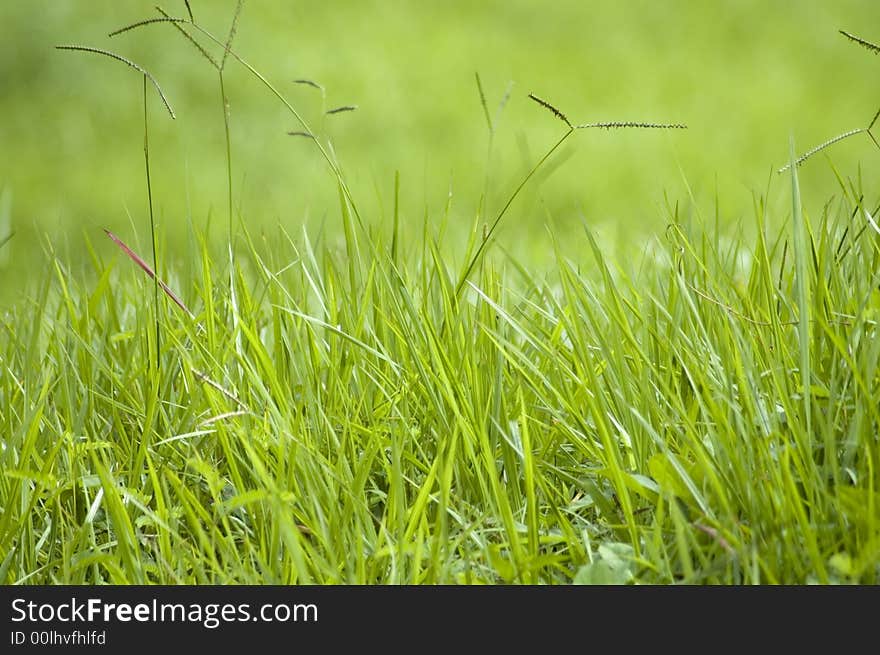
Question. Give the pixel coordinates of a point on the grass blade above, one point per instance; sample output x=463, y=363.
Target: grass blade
x=149, y=271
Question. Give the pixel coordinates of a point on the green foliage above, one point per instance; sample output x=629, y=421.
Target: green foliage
x=356, y=424
x=364, y=408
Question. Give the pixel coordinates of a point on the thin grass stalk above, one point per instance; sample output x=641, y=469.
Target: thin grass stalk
x=225, y=100
x=230, y=236
x=571, y=128
x=189, y=37
x=476, y=257
x=490, y=142
x=803, y=291
x=228, y=51
x=232, y=30
x=396, y=221
x=337, y=172
x=153, y=237
x=804, y=157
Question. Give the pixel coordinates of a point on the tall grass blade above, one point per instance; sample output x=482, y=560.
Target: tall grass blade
x=802, y=278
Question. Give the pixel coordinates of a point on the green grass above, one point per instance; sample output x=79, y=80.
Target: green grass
x=391, y=403
x=704, y=421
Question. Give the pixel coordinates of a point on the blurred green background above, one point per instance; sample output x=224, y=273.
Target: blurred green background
x=744, y=75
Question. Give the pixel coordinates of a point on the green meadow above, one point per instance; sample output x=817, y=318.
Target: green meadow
x=419, y=293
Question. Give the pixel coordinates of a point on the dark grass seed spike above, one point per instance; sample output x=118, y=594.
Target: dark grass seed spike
x=191, y=39
x=804, y=157
x=113, y=55
x=343, y=108
x=232, y=29
x=483, y=102
x=310, y=83
x=148, y=21
x=189, y=11
x=552, y=109
x=308, y=135
x=149, y=271
x=614, y=125
x=873, y=47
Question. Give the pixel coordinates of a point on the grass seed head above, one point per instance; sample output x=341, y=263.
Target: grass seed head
x=553, y=110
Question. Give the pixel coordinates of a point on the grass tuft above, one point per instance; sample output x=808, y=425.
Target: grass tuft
x=593, y=427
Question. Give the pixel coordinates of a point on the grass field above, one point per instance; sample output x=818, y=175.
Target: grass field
x=439, y=342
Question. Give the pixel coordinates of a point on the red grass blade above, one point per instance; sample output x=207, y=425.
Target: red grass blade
x=149, y=271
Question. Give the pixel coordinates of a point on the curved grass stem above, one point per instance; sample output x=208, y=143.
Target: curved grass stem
x=488, y=236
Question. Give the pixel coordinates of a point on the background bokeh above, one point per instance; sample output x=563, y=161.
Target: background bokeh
x=744, y=75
